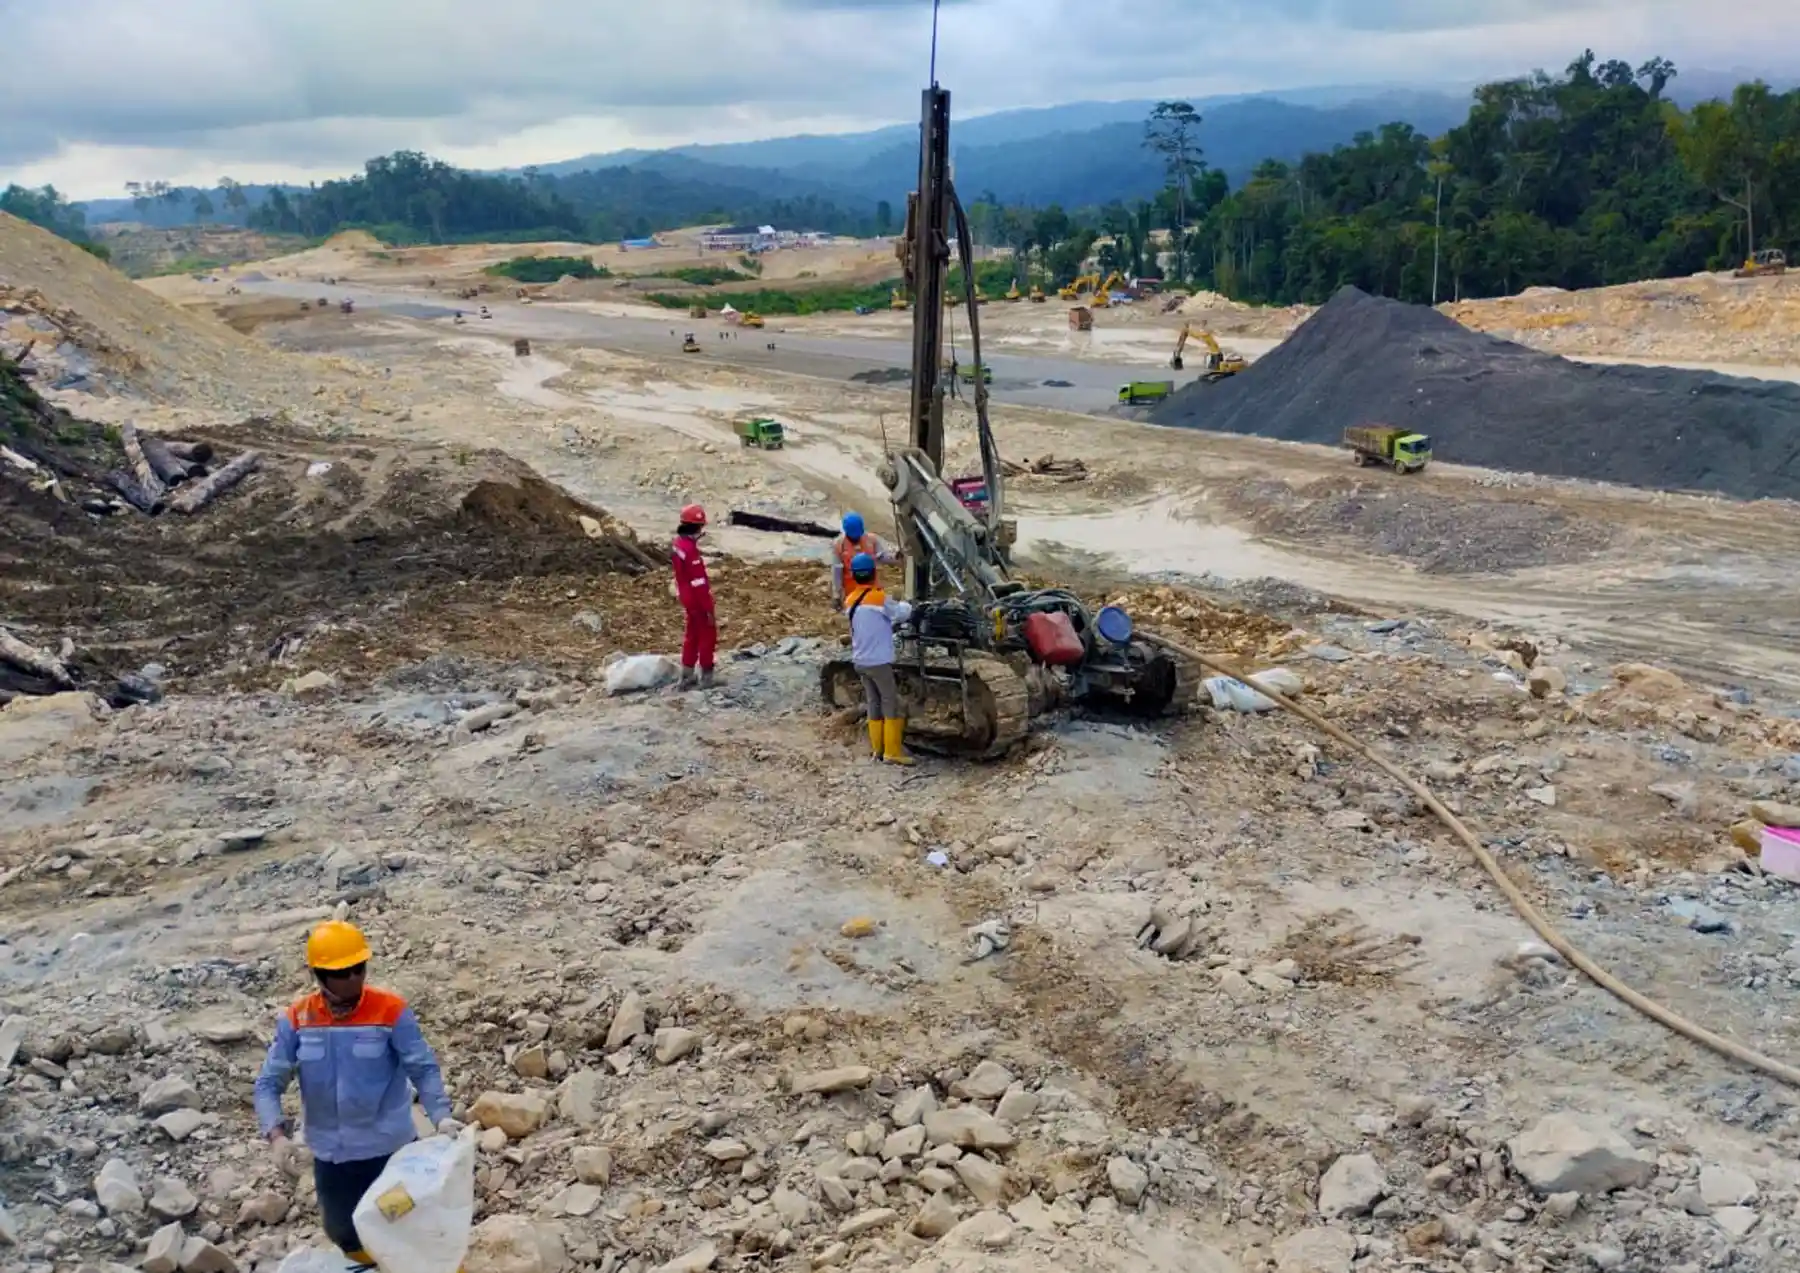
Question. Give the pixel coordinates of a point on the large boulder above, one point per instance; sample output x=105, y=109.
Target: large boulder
x=1565, y=1153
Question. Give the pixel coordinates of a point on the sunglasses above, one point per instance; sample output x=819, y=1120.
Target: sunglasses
x=340, y=974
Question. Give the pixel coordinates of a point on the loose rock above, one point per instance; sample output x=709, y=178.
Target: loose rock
x=1351, y=1186
x=1318, y=1250
x=843, y=1079
x=171, y=1092
x=968, y=1128
x=985, y=1181
x=518, y=1114
x=593, y=1165
x=988, y=1081
x=627, y=1023
x=173, y=1200
x=513, y=1244
x=1566, y=1153
x=116, y=1189
x=1127, y=1180
x=673, y=1043
x=1725, y=1187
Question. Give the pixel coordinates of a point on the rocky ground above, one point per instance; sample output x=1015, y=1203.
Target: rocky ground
x=684, y=1060
x=721, y=993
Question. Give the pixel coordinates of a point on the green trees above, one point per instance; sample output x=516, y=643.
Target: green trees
x=46, y=208
x=1585, y=179
x=407, y=197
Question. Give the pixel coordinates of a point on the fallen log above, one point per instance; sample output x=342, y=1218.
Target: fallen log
x=172, y=471
x=192, y=452
x=134, y=493
x=148, y=481
x=31, y=659
x=197, y=495
x=778, y=525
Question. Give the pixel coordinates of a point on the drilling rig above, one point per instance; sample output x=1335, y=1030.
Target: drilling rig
x=983, y=654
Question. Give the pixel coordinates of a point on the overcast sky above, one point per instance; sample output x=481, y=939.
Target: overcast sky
x=94, y=93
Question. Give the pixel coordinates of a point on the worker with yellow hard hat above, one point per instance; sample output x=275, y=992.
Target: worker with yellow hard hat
x=360, y=1055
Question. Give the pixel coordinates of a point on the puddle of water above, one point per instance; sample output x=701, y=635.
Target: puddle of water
x=1154, y=539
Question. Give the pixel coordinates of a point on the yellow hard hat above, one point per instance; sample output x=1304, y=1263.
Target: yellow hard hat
x=334, y=945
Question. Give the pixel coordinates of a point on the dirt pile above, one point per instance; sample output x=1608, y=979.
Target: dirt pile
x=1710, y=317
x=328, y=539
x=92, y=328
x=1488, y=402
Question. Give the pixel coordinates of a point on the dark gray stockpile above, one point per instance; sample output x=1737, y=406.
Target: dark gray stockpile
x=1484, y=401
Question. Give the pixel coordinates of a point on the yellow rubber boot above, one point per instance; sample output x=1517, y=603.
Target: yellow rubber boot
x=894, y=736
x=877, y=738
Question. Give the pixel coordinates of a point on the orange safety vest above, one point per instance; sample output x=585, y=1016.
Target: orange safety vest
x=863, y=594
x=847, y=549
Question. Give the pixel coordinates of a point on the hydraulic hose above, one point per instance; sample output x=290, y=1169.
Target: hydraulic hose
x=1530, y=914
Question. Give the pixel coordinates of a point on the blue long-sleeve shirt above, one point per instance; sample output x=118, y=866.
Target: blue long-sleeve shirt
x=357, y=1074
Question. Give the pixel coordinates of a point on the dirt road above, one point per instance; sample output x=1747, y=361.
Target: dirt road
x=1690, y=580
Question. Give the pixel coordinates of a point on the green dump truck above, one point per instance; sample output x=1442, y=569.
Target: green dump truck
x=762, y=433
x=1401, y=449
x=1138, y=392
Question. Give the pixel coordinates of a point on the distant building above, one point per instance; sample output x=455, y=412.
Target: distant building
x=740, y=238
x=759, y=238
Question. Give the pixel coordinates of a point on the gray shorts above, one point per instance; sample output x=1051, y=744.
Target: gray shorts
x=880, y=691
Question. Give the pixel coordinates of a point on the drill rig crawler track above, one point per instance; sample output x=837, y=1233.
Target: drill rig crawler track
x=970, y=665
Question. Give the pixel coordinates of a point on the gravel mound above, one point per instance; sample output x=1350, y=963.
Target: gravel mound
x=1489, y=402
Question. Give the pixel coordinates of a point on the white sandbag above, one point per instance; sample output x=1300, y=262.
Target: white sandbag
x=417, y=1215
x=1279, y=680
x=313, y=1260
x=640, y=672
x=1234, y=695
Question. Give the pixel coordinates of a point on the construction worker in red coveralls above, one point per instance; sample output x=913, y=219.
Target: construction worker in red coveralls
x=360, y=1055
x=855, y=539
x=700, y=636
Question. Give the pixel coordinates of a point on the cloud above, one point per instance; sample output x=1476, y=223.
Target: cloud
x=185, y=89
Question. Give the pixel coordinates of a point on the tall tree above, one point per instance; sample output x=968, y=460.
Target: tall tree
x=1173, y=132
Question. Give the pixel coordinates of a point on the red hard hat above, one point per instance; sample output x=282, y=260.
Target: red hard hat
x=693, y=515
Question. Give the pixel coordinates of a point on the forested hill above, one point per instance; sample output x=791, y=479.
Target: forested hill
x=1587, y=178
x=1593, y=176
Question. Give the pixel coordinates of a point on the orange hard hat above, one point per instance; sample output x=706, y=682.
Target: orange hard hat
x=336, y=945
x=693, y=515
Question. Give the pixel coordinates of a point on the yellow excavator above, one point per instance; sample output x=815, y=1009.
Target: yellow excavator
x=1013, y=293
x=897, y=301
x=1218, y=363
x=1037, y=296
x=1074, y=291
x=751, y=319
x=1103, y=291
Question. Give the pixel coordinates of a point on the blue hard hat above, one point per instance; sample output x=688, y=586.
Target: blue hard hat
x=853, y=526
x=862, y=566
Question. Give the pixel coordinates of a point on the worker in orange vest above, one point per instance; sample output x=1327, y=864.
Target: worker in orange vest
x=855, y=539
x=359, y=1055
x=872, y=616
